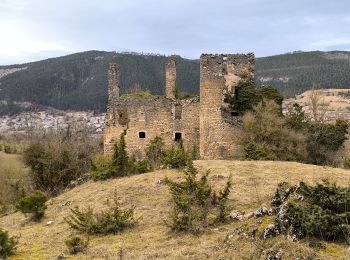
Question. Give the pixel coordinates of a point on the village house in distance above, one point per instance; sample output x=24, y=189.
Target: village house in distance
x=205, y=121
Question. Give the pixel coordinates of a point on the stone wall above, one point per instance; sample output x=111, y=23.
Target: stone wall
x=146, y=118
x=170, y=77
x=142, y=119
x=188, y=125
x=218, y=126
x=208, y=123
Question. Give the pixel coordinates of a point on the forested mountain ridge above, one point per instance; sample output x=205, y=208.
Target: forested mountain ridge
x=297, y=72
x=79, y=81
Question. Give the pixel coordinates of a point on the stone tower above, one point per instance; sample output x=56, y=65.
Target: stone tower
x=113, y=82
x=113, y=92
x=218, y=74
x=170, y=77
x=112, y=130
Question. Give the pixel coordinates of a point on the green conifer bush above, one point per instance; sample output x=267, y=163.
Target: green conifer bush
x=113, y=220
x=321, y=211
x=7, y=244
x=195, y=205
x=33, y=204
x=76, y=244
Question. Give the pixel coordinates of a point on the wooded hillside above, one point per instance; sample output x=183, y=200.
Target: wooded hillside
x=79, y=81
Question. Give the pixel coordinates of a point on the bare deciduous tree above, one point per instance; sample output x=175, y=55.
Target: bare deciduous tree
x=317, y=105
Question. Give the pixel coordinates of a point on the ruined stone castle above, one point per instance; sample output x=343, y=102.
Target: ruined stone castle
x=205, y=121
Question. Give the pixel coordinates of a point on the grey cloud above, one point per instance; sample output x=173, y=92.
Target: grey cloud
x=185, y=27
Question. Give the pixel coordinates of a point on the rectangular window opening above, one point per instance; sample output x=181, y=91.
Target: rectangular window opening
x=122, y=116
x=178, y=111
x=142, y=135
x=178, y=136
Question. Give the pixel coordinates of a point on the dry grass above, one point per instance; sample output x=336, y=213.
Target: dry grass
x=13, y=177
x=326, y=104
x=253, y=185
x=331, y=97
x=11, y=166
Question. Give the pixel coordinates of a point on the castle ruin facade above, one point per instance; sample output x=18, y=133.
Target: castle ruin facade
x=206, y=122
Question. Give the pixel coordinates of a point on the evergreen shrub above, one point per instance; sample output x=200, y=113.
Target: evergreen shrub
x=195, y=205
x=33, y=204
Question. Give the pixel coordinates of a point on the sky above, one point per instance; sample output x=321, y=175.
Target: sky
x=32, y=30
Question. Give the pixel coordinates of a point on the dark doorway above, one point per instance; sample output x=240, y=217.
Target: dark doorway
x=178, y=136
x=142, y=135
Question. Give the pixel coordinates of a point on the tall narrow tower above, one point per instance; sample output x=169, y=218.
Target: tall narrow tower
x=112, y=129
x=219, y=73
x=113, y=81
x=170, y=77
x=113, y=93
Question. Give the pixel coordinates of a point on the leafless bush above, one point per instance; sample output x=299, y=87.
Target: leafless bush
x=57, y=158
x=317, y=105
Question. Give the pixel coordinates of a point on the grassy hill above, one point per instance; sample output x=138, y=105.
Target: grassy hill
x=253, y=185
x=79, y=81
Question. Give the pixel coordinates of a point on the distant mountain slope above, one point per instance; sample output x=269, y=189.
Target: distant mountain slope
x=294, y=73
x=79, y=81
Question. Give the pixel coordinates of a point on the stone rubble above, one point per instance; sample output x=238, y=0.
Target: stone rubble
x=237, y=215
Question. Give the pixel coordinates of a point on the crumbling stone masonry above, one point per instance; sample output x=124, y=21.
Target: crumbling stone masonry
x=113, y=93
x=170, y=77
x=208, y=124
x=219, y=126
x=142, y=119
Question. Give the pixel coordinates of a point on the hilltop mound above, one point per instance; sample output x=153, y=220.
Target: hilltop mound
x=253, y=185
